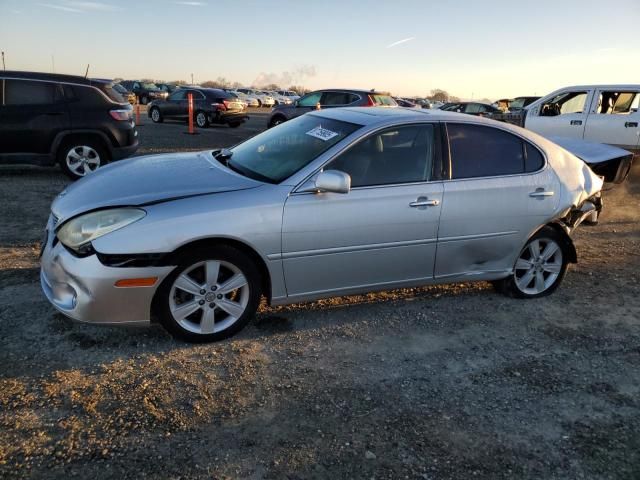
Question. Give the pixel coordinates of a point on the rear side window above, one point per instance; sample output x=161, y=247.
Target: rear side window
x=337, y=98
x=88, y=95
x=109, y=90
x=24, y=92
x=479, y=151
x=383, y=100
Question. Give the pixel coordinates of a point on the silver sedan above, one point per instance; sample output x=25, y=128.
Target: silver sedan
x=335, y=202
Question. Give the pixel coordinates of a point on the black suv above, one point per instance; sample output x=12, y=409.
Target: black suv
x=145, y=91
x=210, y=105
x=80, y=123
x=329, y=99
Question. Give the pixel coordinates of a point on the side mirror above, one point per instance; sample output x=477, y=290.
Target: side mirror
x=333, y=181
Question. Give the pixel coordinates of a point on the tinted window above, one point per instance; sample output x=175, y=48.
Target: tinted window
x=109, y=90
x=478, y=151
x=310, y=100
x=178, y=95
x=22, y=92
x=280, y=152
x=336, y=98
x=383, y=100
x=398, y=155
x=533, y=158
x=88, y=95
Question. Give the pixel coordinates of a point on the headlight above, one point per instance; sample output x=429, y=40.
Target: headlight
x=85, y=228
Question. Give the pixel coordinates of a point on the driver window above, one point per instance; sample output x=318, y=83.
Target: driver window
x=179, y=95
x=567, y=102
x=396, y=155
x=310, y=100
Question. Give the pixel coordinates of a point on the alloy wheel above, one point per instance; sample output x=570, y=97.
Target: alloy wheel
x=155, y=114
x=209, y=296
x=201, y=120
x=539, y=266
x=82, y=160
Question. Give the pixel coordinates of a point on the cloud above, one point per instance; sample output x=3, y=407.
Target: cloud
x=286, y=78
x=76, y=6
x=60, y=7
x=400, y=42
x=192, y=4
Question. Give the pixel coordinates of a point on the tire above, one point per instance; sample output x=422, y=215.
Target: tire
x=182, y=308
x=235, y=124
x=538, y=277
x=156, y=115
x=81, y=156
x=202, y=119
x=277, y=120
x=144, y=100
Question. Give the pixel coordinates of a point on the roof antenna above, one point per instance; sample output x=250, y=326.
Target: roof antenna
x=86, y=73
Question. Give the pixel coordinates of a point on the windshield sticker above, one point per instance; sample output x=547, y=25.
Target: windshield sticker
x=322, y=133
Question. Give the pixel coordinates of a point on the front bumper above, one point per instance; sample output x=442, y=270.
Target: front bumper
x=84, y=289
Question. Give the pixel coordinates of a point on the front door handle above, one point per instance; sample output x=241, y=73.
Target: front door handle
x=630, y=124
x=539, y=193
x=576, y=122
x=424, y=202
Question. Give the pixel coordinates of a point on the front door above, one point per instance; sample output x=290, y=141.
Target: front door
x=382, y=233
x=615, y=118
x=500, y=191
x=562, y=115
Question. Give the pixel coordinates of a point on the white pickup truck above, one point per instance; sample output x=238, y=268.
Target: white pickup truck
x=596, y=113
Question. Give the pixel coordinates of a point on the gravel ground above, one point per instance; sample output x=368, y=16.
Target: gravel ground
x=443, y=382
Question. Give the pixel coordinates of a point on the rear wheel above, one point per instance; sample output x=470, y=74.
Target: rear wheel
x=202, y=119
x=156, y=116
x=80, y=157
x=540, y=267
x=211, y=295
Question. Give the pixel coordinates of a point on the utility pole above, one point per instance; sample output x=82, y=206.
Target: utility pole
x=192, y=79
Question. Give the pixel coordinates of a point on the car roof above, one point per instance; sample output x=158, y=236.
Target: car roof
x=381, y=116
x=53, y=77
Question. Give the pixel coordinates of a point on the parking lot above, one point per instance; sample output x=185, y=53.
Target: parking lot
x=452, y=381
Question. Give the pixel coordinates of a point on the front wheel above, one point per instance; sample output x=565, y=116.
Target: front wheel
x=275, y=121
x=540, y=267
x=211, y=295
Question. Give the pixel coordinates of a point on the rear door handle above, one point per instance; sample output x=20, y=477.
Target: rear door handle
x=630, y=124
x=541, y=193
x=576, y=122
x=424, y=202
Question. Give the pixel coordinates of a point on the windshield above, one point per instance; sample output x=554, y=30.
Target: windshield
x=280, y=152
x=150, y=86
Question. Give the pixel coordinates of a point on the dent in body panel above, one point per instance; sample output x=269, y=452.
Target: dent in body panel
x=485, y=221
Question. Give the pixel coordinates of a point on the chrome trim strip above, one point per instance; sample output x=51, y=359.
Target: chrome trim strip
x=354, y=248
x=477, y=236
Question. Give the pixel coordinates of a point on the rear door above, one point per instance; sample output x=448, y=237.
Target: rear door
x=614, y=118
x=500, y=190
x=33, y=114
x=562, y=114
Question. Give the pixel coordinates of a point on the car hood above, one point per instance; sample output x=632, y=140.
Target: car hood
x=148, y=179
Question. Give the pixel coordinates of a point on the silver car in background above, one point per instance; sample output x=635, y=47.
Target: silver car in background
x=334, y=202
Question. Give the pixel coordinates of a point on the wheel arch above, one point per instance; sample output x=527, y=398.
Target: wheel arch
x=265, y=277
x=69, y=135
x=563, y=231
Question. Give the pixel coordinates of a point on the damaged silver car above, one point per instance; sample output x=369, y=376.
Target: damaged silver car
x=334, y=202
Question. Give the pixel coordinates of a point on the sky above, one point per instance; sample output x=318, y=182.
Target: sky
x=473, y=49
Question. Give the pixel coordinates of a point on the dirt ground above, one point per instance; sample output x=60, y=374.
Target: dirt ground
x=451, y=382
